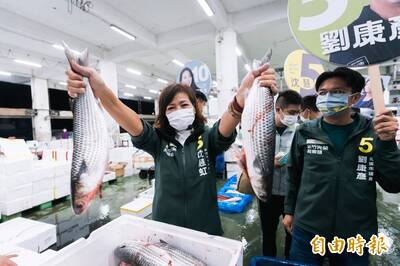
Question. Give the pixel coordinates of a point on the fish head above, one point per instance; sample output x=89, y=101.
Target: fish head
x=85, y=187
x=127, y=252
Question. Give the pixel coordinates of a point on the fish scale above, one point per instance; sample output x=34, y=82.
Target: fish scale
x=258, y=126
x=90, y=143
x=140, y=253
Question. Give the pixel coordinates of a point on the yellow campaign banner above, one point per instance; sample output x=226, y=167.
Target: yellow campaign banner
x=301, y=70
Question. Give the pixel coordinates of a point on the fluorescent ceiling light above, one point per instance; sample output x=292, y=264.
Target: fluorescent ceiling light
x=178, y=63
x=147, y=98
x=58, y=46
x=63, y=83
x=162, y=81
x=133, y=71
x=130, y=86
x=247, y=67
x=207, y=9
x=4, y=73
x=28, y=63
x=238, y=51
x=153, y=91
x=122, y=32
x=128, y=94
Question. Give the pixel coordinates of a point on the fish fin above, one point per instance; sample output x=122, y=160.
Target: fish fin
x=69, y=54
x=84, y=58
x=163, y=242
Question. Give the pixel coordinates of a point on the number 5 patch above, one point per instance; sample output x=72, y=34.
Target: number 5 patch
x=366, y=145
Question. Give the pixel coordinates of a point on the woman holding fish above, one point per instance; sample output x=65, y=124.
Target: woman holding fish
x=184, y=149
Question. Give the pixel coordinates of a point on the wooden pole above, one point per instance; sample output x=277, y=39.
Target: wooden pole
x=376, y=88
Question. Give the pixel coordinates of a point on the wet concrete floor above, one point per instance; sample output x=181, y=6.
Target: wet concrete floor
x=244, y=227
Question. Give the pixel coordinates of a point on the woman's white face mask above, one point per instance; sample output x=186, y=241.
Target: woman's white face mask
x=181, y=119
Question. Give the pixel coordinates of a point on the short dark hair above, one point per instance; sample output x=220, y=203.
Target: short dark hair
x=201, y=96
x=166, y=97
x=288, y=97
x=310, y=103
x=352, y=78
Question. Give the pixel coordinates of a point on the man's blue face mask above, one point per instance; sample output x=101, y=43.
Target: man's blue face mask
x=331, y=104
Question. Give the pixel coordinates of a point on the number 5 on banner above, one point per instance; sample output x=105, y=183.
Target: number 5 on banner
x=334, y=11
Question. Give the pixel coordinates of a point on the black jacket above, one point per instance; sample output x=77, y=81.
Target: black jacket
x=335, y=195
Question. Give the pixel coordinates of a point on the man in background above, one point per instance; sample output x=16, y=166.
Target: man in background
x=287, y=109
x=201, y=99
x=309, y=110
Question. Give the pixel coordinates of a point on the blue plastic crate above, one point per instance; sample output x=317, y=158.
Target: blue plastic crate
x=269, y=261
x=233, y=207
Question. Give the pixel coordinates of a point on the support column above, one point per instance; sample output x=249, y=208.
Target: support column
x=156, y=106
x=108, y=71
x=227, y=67
x=40, y=101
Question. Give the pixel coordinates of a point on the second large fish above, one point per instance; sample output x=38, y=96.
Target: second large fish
x=137, y=253
x=90, y=143
x=258, y=127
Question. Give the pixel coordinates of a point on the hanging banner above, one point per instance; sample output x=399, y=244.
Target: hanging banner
x=366, y=94
x=301, y=70
x=344, y=32
x=197, y=75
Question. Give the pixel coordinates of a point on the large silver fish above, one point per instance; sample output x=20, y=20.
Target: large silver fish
x=258, y=127
x=90, y=144
x=138, y=253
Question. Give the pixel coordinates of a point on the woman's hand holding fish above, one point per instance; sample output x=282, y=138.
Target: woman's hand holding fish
x=75, y=82
x=265, y=76
x=6, y=260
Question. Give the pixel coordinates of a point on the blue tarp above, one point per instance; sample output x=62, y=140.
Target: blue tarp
x=269, y=261
x=229, y=191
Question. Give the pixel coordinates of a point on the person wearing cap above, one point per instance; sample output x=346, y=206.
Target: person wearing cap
x=309, y=110
x=334, y=165
x=201, y=100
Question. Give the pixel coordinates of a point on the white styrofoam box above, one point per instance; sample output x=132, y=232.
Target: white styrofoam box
x=128, y=171
x=122, y=154
x=98, y=248
x=48, y=254
x=25, y=257
x=109, y=176
x=15, y=206
x=43, y=169
x=62, y=181
x=42, y=197
x=15, y=149
x=29, y=234
x=135, y=171
x=42, y=185
x=63, y=168
x=16, y=180
x=64, y=155
x=63, y=191
x=12, y=167
x=149, y=193
x=140, y=207
x=13, y=193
